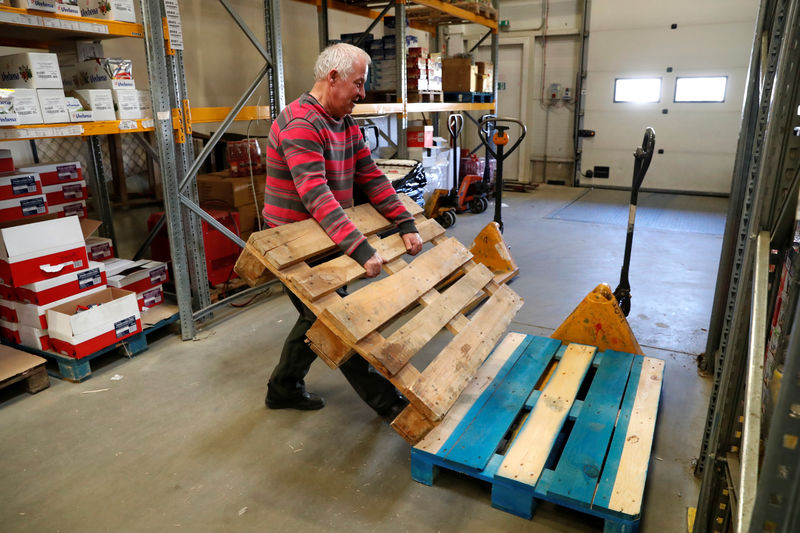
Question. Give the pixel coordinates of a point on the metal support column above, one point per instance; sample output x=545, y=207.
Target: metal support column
x=99, y=187
x=402, y=87
x=322, y=24
x=580, y=104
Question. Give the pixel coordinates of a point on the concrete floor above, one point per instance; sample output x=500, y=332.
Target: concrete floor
x=178, y=438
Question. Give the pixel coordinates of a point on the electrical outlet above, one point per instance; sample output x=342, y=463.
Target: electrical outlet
x=566, y=94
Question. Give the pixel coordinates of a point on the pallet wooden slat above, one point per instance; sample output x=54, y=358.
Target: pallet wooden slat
x=525, y=460
x=448, y=374
x=368, y=309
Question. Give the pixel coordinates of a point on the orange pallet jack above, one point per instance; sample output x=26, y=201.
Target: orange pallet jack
x=441, y=204
x=599, y=320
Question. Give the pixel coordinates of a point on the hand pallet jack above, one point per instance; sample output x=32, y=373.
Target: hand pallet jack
x=599, y=320
x=442, y=203
x=473, y=193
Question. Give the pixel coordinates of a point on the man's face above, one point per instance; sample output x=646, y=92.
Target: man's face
x=345, y=92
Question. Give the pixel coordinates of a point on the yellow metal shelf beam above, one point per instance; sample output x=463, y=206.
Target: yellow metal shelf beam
x=23, y=24
x=364, y=12
x=457, y=12
x=424, y=107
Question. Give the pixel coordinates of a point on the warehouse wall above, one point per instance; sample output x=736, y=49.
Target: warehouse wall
x=713, y=37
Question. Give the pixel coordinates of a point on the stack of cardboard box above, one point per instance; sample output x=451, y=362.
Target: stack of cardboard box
x=222, y=192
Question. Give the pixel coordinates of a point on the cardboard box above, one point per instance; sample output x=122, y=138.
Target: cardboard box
x=122, y=10
x=7, y=311
x=6, y=160
x=24, y=105
x=105, y=73
x=9, y=331
x=30, y=70
x=420, y=136
x=36, y=5
x=17, y=208
x=41, y=250
x=53, y=104
x=150, y=298
x=126, y=104
x=70, y=53
x=68, y=7
x=86, y=325
x=458, y=74
x=76, y=111
x=236, y=193
x=34, y=338
x=77, y=209
x=7, y=292
x=56, y=173
x=99, y=248
x=61, y=287
x=100, y=101
x=145, y=104
x=65, y=193
x=35, y=316
x=19, y=184
x=136, y=276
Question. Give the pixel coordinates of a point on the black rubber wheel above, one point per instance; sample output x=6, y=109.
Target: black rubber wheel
x=479, y=205
x=446, y=219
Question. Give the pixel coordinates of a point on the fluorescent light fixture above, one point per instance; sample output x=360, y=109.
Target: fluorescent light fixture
x=637, y=90
x=701, y=89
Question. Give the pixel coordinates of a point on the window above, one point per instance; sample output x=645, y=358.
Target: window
x=701, y=89
x=638, y=90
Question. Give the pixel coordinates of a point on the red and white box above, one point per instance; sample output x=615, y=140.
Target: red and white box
x=35, y=316
x=6, y=161
x=71, y=284
x=18, y=208
x=7, y=292
x=150, y=298
x=86, y=325
x=7, y=311
x=65, y=193
x=99, y=248
x=56, y=173
x=9, y=331
x=41, y=250
x=136, y=276
x=19, y=184
x=77, y=209
x=34, y=337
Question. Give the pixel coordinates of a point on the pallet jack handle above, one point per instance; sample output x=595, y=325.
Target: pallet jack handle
x=500, y=140
x=642, y=157
x=365, y=128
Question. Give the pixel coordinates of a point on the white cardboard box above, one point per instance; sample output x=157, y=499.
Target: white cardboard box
x=35, y=316
x=150, y=298
x=145, y=104
x=65, y=193
x=90, y=323
x=99, y=248
x=126, y=104
x=122, y=10
x=68, y=7
x=30, y=70
x=100, y=101
x=36, y=338
x=63, y=287
x=56, y=173
x=105, y=73
x=20, y=106
x=76, y=111
x=70, y=53
x=53, y=104
x=137, y=276
x=19, y=208
x=41, y=250
x=77, y=209
x=18, y=184
x=37, y=5
x=9, y=331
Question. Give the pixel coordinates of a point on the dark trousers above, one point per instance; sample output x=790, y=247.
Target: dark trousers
x=287, y=379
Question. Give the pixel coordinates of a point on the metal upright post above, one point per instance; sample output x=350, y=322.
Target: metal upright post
x=322, y=24
x=402, y=87
x=98, y=185
x=162, y=113
x=272, y=26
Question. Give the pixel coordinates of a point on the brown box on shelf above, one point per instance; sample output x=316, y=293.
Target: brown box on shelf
x=483, y=83
x=484, y=67
x=233, y=193
x=458, y=74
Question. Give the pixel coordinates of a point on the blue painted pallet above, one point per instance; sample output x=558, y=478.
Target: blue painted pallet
x=588, y=450
x=77, y=370
x=468, y=97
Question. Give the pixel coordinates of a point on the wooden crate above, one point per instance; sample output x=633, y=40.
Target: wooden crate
x=565, y=424
x=353, y=324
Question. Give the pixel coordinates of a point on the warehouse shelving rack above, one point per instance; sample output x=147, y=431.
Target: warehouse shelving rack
x=450, y=14
x=762, y=215
x=172, y=123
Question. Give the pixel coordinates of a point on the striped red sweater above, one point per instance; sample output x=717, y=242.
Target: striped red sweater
x=313, y=160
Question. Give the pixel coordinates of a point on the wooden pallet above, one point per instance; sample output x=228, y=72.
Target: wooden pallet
x=354, y=324
x=565, y=424
x=426, y=96
x=77, y=370
x=468, y=97
x=16, y=366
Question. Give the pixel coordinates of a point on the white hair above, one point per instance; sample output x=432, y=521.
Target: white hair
x=339, y=57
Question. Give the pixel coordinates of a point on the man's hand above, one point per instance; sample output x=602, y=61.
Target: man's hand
x=413, y=243
x=373, y=265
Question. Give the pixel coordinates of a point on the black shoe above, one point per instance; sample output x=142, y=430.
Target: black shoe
x=307, y=401
x=342, y=291
x=392, y=412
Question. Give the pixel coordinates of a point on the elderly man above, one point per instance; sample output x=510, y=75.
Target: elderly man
x=315, y=154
